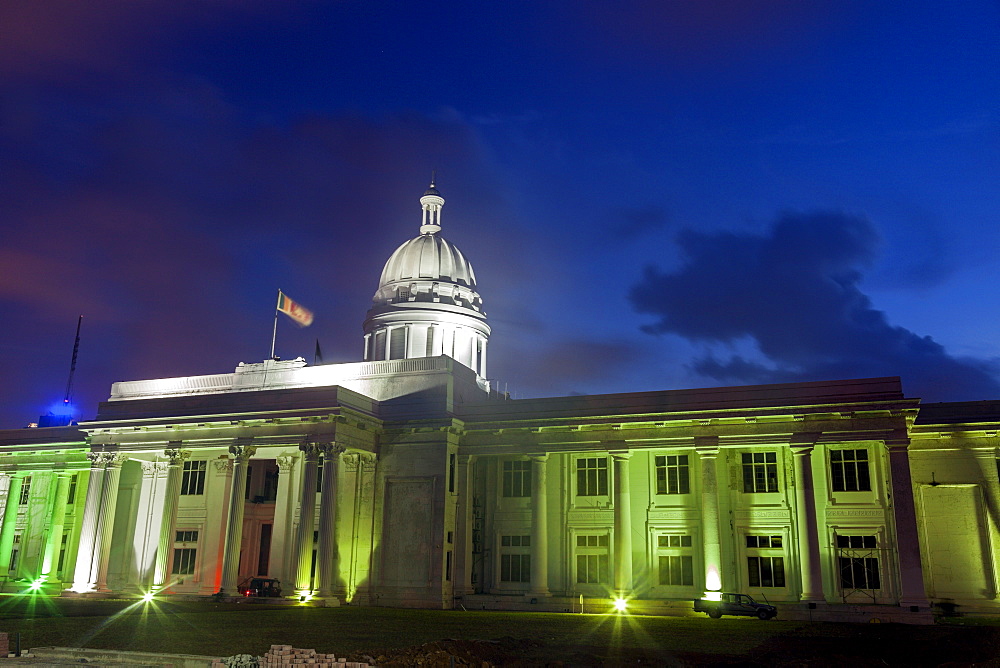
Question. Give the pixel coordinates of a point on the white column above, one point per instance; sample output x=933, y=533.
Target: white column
x=911, y=579
x=88, y=524
x=539, y=527
x=328, y=558
x=234, y=527
x=58, y=515
x=708, y=451
x=168, y=523
x=623, y=524
x=106, y=521
x=805, y=524
x=307, y=515
x=284, y=509
x=9, y=521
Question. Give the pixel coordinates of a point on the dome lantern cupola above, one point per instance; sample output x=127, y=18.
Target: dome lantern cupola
x=427, y=303
x=432, y=203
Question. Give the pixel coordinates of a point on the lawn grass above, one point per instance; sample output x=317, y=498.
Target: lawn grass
x=223, y=629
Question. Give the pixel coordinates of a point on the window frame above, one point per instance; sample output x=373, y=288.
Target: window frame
x=763, y=473
x=193, y=474
x=592, y=481
x=676, y=484
x=845, y=473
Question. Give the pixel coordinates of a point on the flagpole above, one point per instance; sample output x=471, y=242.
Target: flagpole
x=274, y=334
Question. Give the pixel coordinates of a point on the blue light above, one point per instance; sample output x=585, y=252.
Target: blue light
x=62, y=409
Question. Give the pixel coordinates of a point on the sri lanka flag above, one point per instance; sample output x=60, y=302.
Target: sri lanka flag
x=294, y=310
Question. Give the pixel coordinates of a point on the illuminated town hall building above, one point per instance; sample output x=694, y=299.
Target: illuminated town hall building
x=404, y=480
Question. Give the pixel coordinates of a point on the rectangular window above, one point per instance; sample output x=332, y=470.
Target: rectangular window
x=592, y=559
x=677, y=570
x=760, y=472
x=517, y=478
x=592, y=476
x=515, y=567
x=193, y=477
x=25, y=490
x=849, y=471
x=62, y=553
x=184, y=561
x=592, y=569
x=672, y=475
x=186, y=537
x=766, y=571
x=673, y=541
x=397, y=343
x=676, y=564
x=319, y=474
x=71, y=496
x=451, y=471
x=515, y=564
x=379, y=352
x=765, y=566
x=14, y=552
x=429, y=349
x=858, y=560
x=447, y=566
x=764, y=542
x=246, y=489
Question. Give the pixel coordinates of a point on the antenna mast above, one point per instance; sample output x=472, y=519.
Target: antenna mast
x=72, y=365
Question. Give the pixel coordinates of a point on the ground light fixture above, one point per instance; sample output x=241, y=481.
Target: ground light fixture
x=620, y=604
x=36, y=584
x=147, y=597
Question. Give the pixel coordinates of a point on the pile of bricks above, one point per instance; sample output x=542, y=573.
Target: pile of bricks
x=286, y=655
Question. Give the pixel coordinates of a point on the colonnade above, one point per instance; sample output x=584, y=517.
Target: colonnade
x=807, y=524
x=96, y=522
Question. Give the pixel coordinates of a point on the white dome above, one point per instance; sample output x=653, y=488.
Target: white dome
x=428, y=257
x=426, y=303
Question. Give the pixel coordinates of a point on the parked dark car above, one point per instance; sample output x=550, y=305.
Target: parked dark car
x=267, y=587
x=735, y=604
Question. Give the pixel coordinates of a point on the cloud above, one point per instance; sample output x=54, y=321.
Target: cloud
x=170, y=220
x=794, y=291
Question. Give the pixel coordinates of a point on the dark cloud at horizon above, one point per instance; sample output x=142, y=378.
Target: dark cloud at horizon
x=794, y=291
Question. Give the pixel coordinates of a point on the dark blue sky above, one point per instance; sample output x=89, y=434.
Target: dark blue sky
x=653, y=194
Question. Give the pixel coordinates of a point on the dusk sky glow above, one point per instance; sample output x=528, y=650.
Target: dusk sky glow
x=654, y=195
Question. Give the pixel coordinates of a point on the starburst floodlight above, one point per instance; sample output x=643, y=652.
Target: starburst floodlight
x=620, y=604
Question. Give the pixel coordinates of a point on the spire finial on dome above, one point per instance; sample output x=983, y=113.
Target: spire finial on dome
x=431, y=203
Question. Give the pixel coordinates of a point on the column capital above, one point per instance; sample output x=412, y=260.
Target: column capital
x=541, y=458
x=310, y=449
x=286, y=462
x=621, y=455
x=330, y=450
x=152, y=469
x=368, y=461
x=96, y=459
x=175, y=455
x=113, y=460
x=242, y=451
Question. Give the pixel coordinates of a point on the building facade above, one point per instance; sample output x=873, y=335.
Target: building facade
x=404, y=480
